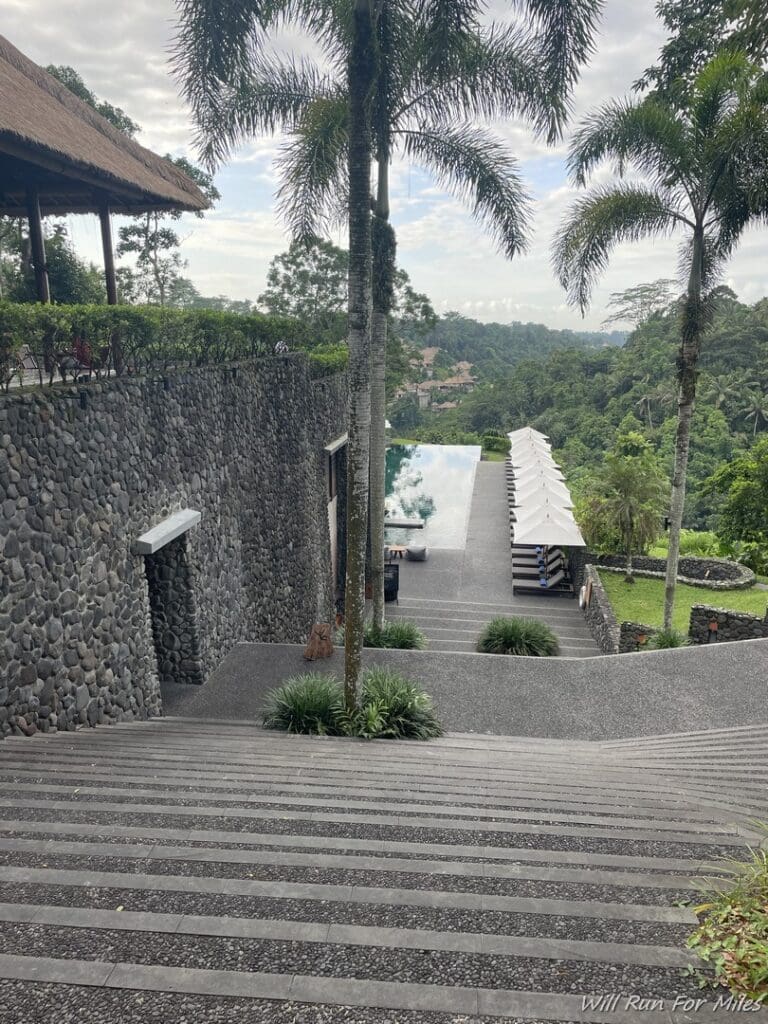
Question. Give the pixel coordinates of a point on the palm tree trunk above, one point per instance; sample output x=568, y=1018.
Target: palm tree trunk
x=690, y=345
x=383, y=285
x=628, y=577
x=361, y=70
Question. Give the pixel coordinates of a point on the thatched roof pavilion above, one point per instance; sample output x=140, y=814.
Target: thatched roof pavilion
x=58, y=156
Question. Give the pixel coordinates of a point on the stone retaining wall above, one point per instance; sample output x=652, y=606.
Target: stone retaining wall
x=82, y=477
x=714, y=573
x=729, y=625
x=630, y=634
x=599, y=614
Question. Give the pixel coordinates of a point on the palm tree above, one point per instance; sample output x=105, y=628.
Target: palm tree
x=705, y=174
x=439, y=71
x=723, y=388
x=755, y=408
x=643, y=403
x=216, y=50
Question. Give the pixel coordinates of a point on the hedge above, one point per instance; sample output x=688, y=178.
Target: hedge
x=63, y=342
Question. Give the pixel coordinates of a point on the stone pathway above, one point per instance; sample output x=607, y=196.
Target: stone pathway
x=187, y=871
x=455, y=593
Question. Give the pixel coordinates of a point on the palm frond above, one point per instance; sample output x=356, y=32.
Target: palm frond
x=565, y=36
x=716, y=90
x=645, y=135
x=274, y=96
x=313, y=165
x=493, y=73
x=597, y=223
x=475, y=166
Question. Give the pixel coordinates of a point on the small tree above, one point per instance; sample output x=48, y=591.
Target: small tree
x=627, y=500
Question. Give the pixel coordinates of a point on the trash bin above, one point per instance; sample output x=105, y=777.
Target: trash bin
x=391, y=581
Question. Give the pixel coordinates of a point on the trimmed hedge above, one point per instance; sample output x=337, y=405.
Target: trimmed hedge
x=63, y=342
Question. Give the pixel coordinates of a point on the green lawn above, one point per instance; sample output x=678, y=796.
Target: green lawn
x=643, y=601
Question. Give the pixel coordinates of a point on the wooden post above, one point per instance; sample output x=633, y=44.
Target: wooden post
x=109, y=254
x=38, y=245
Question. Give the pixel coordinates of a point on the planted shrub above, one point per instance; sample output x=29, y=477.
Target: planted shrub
x=98, y=340
x=668, y=638
x=311, y=703
x=390, y=707
x=404, y=710
x=732, y=938
x=395, y=633
x=518, y=636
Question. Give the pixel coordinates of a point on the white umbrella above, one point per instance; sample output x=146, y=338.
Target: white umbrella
x=526, y=432
x=536, y=473
x=535, y=492
x=549, y=527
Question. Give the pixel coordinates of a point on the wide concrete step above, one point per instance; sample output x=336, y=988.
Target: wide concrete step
x=180, y=870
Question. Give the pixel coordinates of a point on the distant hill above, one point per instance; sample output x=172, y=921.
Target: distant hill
x=494, y=348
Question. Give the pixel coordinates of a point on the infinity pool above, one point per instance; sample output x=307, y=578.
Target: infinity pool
x=432, y=482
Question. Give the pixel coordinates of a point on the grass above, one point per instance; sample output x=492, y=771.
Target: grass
x=643, y=600
x=494, y=456
x=527, y=637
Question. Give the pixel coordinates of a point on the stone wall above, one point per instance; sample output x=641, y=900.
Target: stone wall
x=715, y=573
x=81, y=479
x=599, y=614
x=173, y=614
x=730, y=625
x=631, y=637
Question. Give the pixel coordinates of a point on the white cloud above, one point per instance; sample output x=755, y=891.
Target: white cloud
x=122, y=49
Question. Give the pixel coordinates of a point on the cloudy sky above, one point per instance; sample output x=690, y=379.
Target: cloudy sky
x=121, y=50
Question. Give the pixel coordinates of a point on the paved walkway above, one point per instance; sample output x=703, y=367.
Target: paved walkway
x=456, y=591
x=183, y=871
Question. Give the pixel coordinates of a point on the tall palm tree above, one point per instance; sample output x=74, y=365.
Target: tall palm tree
x=217, y=47
x=439, y=71
x=755, y=408
x=705, y=173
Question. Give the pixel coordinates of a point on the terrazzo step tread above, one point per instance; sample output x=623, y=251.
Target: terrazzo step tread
x=348, y=862
x=354, y=935
x=498, y=1003
x=368, y=846
x=196, y=800
x=448, y=899
x=718, y=835
x=460, y=647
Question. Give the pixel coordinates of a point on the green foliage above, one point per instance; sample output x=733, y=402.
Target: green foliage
x=643, y=600
x=518, y=636
x=493, y=442
x=70, y=279
x=389, y=707
x=696, y=543
x=311, y=703
x=743, y=483
x=393, y=707
x=628, y=497
x=327, y=360
x=134, y=339
x=395, y=633
x=668, y=638
x=74, y=82
x=732, y=938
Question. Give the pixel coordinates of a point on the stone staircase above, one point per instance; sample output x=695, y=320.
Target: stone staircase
x=180, y=870
x=456, y=625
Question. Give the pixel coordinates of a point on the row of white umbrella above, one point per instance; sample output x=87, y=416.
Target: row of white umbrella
x=542, y=502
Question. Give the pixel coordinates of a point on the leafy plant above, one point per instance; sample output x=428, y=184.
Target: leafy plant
x=405, y=636
x=311, y=703
x=405, y=711
x=518, y=636
x=390, y=707
x=668, y=638
x=732, y=937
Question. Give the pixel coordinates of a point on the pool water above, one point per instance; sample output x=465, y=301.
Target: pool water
x=433, y=482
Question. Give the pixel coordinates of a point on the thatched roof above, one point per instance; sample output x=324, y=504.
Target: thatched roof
x=78, y=160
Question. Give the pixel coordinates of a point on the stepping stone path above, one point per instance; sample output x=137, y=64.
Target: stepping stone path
x=185, y=871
